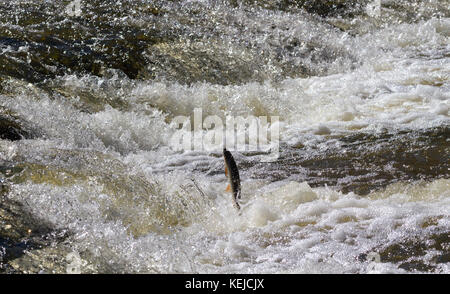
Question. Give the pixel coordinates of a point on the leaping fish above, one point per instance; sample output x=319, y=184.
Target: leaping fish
x=232, y=172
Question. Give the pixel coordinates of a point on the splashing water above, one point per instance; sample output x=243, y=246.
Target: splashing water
x=86, y=104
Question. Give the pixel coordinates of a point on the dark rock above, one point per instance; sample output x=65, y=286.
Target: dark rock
x=324, y=8
x=408, y=254
x=11, y=129
x=21, y=232
x=167, y=41
x=361, y=162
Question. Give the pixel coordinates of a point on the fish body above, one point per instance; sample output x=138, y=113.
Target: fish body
x=232, y=172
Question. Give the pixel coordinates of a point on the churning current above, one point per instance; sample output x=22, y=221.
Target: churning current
x=90, y=181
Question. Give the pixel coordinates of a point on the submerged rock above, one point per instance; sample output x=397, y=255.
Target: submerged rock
x=182, y=42
x=31, y=244
x=362, y=162
x=409, y=254
x=21, y=233
x=151, y=41
x=127, y=197
x=11, y=128
x=324, y=8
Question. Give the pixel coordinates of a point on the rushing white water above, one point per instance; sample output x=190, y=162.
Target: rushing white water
x=132, y=204
x=284, y=227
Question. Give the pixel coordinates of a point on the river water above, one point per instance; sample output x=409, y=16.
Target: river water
x=91, y=183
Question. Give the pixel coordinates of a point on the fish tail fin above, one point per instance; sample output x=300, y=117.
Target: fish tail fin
x=236, y=205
